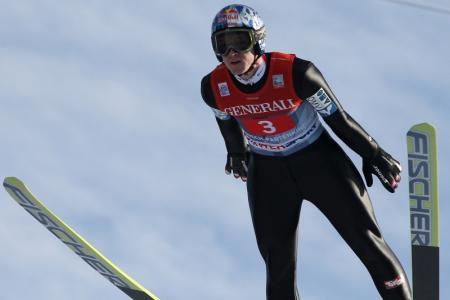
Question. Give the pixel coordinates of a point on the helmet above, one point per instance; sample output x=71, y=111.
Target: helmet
x=238, y=27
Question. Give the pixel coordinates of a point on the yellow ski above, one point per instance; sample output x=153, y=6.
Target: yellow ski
x=424, y=210
x=75, y=242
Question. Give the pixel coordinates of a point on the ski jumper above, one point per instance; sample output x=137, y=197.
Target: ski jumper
x=293, y=158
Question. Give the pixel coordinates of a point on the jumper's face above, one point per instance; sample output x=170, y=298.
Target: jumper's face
x=238, y=62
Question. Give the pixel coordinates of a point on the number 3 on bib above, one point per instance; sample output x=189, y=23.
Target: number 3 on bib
x=272, y=126
x=267, y=127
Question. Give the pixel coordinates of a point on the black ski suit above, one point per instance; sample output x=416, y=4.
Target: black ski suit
x=303, y=162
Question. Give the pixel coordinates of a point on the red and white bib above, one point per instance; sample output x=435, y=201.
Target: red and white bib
x=275, y=121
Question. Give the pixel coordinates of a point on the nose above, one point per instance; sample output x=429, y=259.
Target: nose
x=231, y=52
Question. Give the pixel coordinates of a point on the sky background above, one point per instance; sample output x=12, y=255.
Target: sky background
x=101, y=116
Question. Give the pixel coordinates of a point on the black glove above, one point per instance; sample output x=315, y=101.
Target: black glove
x=385, y=167
x=237, y=162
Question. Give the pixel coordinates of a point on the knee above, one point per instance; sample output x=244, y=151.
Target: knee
x=370, y=246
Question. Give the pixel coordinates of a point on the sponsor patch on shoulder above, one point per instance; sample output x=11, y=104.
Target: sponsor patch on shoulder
x=221, y=115
x=322, y=103
x=223, y=89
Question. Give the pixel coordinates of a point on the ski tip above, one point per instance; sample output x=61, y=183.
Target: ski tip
x=11, y=181
x=423, y=127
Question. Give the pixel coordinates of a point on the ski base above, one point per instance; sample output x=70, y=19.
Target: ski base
x=426, y=283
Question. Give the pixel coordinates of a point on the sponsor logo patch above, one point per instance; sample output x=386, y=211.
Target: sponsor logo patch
x=221, y=115
x=322, y=103
x=223, y=89
x=392, y=284
x=278, y=81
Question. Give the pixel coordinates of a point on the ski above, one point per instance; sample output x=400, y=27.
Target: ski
x=22, y=195
x=424, y=211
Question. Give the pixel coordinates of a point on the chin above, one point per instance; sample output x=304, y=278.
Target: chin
x=236, y=70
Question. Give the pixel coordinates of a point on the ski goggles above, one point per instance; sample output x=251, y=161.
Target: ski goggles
x=240, y=40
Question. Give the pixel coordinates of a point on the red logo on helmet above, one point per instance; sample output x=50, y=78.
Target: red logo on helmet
x=230, y=15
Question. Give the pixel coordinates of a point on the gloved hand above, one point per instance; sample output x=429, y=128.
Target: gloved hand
x=385, y=167
x=237, y=163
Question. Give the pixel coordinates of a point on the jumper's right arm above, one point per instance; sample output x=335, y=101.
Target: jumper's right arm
x=231, y=132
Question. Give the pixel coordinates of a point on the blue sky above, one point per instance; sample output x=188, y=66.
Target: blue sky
x=102, y=117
